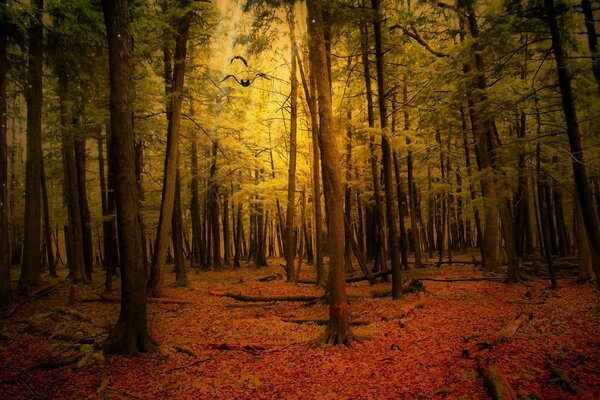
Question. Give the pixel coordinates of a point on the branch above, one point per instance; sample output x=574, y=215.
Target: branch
x=414, y=34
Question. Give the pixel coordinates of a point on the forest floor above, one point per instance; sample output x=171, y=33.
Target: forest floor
x=420, y=347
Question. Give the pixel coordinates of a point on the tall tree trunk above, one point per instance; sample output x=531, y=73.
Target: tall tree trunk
x=130, y=335
x=348, y=197
x=197, y=249
x=30, y=272
x=182, y=26
x=481, y=126
x=338, y=329
x=399, y=196
x=412, y=195
x=84, y=209
x=213, y=210
x=75, y=257
x=290, y=244
x=47, y=226
x=590, y=26
x=376, y=234
x=226, y=241
x=584, y=192
x=309, y=86
x=109, y=233
x=5, y=289
x=177, y=235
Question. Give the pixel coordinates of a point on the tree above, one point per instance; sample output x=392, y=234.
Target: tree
x=387, y=159
x=338, y=329
x=290, y=242
x=31, y=268
x=181, y=25
x=130, y=335
x=5, y=289
x=582, y=184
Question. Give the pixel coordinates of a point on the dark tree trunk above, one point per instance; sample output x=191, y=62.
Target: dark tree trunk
x=213, y=210
x=590, y=26
x=412, y=195
x=399, y=196
x=47, y=227
x=130, y=335
x=197, y=249
x=181, y=26
x=84, y=209
x=109, y=232
x=584, y=192
x=226, y=238
x=338, y=329
x=309, y=86
x=5, y=289
x=348, y=198
x=290, y=244
x=177, y=235
x=375, y=235
x=30, y=272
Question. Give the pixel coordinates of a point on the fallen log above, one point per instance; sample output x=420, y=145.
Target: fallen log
x=511, y=329
x=269, y=278
x=237, y=346
x=321, y=321
x=351, y=279
x=243, y=297
x=38, y=294
x=161, y=300
x=409, y=287
x=463, y=280
x=494, y=380
x=48, y=365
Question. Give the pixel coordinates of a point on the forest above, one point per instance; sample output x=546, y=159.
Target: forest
x=320, y=199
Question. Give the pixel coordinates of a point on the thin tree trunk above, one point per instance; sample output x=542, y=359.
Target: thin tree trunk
x=155, y=283
x=177, y=235
x=289, y=242
x=311, y=99
x=84, y=209
x=412, y=196
x=47, y=226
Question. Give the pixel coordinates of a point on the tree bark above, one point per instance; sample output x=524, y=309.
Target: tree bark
x=177, y=233
x=5, y=289
x=130, y=335
x=584, y=192
x=590, y=26
x=30, y=272
x=338, y=330
x=387, y=160
x=84, y=209
x=290, y=243
x=181, y=25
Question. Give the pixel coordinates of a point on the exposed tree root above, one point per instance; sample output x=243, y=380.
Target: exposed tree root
x=243, y=297
x=333, y=338
x=128, y=341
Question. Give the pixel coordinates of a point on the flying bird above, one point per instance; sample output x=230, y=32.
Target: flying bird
x=239, y=58
x=245, y=82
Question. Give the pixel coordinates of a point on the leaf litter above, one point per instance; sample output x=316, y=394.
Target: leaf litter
x=219, y=348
